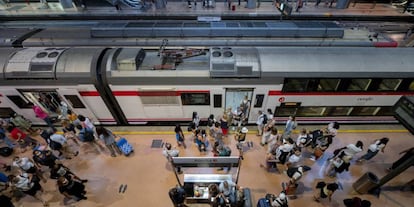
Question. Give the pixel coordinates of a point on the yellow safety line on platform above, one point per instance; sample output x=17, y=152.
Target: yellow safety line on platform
x=254, y=132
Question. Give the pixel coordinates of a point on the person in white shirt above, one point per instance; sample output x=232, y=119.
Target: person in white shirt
x=28, y=166
x=350, y=150
x=25, y=183
x=227, y=187
x=170, y=152
x=280, y=201
x=260, y=123
x=269, y=114
x=284, y=150
x=373, y=149
x=64, y=149
x=294, y=158
x=303, y=138
x=291, y=124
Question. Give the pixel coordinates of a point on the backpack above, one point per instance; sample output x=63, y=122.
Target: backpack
x=6, y=151
x=54, y=145
x=88, y=135
x=177, y=195
x=264, y=119
x=227, y=151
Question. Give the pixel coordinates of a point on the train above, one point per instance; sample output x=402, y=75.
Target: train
x=160, y=85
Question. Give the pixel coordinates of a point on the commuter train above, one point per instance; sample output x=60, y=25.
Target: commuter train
x=129, y=86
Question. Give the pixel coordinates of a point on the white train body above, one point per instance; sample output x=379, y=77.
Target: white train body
x=128, y=86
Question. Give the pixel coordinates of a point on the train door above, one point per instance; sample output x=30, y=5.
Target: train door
x=236, y=97
x=79, y=105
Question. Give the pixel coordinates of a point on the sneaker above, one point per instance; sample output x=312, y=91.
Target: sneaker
x=120, y=188
x=312, y=158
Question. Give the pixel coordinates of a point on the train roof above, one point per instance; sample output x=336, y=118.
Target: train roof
x=260, y=62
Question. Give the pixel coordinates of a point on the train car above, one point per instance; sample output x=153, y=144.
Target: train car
x=130, y=86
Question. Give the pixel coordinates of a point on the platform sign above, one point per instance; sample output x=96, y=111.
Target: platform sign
x=208, y=19
x=404, y=112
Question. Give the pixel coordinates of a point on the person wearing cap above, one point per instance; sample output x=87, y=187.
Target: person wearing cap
x=280, y=201
x=240, y=137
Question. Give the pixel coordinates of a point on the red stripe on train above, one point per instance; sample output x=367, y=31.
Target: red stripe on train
x=89, y=93
x=385, y=44
x=144, y=93
x=280, y=93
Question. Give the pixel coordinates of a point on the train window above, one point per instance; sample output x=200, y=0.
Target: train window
x=217, y=100
x=295, y=85
x=389, y=84
x=328, y=84
x=339, y=111
x=365, y=111
x=6, y=112
x=411, y=86
x=285, y=111
x=159, y=100
x=385, y=111
x=75, y=101
x=20, y=102
x=359, y=84
x=195, y=98
x=311, y=111
x=259, y=100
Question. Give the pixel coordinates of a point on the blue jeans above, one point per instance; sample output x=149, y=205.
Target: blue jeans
x=370, y=154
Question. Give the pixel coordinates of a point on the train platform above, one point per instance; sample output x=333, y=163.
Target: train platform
x=149, y=176
x=179, y=9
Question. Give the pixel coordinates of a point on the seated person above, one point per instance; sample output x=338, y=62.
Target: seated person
x=227, y=187
x=201, y=140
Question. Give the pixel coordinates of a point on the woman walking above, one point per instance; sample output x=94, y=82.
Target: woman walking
x=109, y=140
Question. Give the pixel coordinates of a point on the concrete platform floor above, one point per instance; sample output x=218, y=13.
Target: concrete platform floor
x=149, y=176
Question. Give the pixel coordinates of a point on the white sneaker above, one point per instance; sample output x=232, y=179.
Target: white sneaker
x=312, y=158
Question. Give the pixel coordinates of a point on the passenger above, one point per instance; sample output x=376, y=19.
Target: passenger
x=224, y=124
x=179, y=136
x=64, y=148
x=284, y=150
x=267, y=131
x=229, y=114
x=373, y=149
x=69, y=131
x=216, y=132
x=109, y=140
x=245, y=106
x=45, y=158
x=21, y=138
x=280, y=201
x=295, y=174
x=241, y=137
x=86, y=123
x=195, y=119
x=350, y=150
x=275, y=139
x=216, y=198
x=325, y=190
x=29, y=185
x=269, y=114
x=303, y=138
x=59, y=170
x=72, y=117
x=291, y=124
x=169, y=153
x=332, y=129
x=29, y=166
x=43, y=115
x=238, y=117
x=338, y=164
x=261, y=121
x=71, y=188
x=21, y=122
x=5, y=139
x=201, y=140
x=227, y=187
x=86, y=135
x=294, y=158
x=224, y=151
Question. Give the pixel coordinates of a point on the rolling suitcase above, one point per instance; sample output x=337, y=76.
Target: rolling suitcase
x=124, y=146
x=263, y=202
